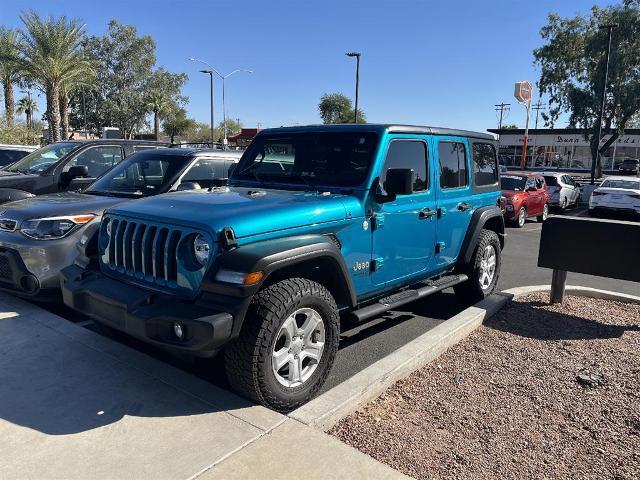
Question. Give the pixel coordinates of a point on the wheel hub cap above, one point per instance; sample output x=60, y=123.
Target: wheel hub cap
x=298, y=347
x=487, y=267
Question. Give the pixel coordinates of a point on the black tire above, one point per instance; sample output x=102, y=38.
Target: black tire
x=563, y=207
x=472, y=290
x=545, y=214
x=516, y=222
x=248, y=363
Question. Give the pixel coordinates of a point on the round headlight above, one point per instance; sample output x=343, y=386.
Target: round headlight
x=201, y=249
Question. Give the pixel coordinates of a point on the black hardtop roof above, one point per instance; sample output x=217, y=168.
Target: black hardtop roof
x=378, y=127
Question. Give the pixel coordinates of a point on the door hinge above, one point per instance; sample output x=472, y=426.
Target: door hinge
x=377, y=222
x=439, y=247
x=376, y=264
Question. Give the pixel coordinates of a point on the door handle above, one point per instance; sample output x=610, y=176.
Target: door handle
x=464, y=206
x=427, y=213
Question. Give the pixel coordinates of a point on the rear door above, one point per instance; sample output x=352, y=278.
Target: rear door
x=455, y=204
x=404, y=230
x=97, y=158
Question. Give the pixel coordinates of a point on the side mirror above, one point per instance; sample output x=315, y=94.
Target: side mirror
x=188, y=186
x=78, y=171
x=399, y=182
x=578, y=184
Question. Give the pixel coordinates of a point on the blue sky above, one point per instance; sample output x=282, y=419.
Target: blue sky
x=442, y=63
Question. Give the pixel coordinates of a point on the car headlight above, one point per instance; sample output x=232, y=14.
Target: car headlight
x=50, y=228
x=201, y=249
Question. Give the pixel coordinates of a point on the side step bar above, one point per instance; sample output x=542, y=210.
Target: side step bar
x=406, y=296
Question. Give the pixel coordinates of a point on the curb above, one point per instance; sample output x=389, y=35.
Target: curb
x=327, y=409
x=324, y=411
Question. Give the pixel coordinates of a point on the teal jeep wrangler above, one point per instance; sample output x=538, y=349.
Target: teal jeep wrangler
x=319, y=225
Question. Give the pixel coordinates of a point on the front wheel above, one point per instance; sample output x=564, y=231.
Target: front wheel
x=521, y=219
x=483, y=270
x=545, y=213
x=287, y=344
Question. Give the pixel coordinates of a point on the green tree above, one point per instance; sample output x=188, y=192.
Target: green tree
x=9, y=68
x=52, y=58
x=337, y=108
x=233, y=127
x=164, y=95
x=124, y=62
x=27, y=106
x=177, y=124
x=572, y=63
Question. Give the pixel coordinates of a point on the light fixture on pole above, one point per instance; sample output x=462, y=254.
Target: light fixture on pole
x=210, y=73
x=357, y=55
x=224, y=108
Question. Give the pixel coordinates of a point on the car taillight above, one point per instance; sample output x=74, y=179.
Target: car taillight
x=636, y=196
x=595, y=194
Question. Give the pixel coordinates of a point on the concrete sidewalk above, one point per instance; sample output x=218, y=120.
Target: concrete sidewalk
x=74, y=404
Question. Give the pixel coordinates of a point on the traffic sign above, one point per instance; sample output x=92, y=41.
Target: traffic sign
x=523, y=91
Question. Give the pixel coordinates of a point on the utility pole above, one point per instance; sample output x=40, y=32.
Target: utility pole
x=595, y=162
x=537, y=107
x=502, y=108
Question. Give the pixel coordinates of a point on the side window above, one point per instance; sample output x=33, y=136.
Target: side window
x=207, y=172
x=453, y=165
x=97, y=159
x=408, y=154
x=485, y=166
x=530, y=184
x=540, y=183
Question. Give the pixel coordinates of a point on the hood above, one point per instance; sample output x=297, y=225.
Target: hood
x=248, y=211
x=511, y=193
x=57, y=204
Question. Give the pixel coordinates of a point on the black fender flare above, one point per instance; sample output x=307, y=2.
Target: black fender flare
x=11, y=194
x=271, y=256
x=481, y=216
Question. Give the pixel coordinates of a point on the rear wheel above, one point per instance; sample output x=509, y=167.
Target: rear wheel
x=287, y=344
x=545, y=212
x=483, y=270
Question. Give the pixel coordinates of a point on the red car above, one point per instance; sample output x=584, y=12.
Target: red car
x=527, y=197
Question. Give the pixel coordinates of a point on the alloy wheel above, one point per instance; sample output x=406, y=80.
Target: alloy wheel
x=522, y=216
x=487, y=267
x=298, y=348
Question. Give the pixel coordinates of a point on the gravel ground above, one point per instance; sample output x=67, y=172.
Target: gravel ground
x=539, y=391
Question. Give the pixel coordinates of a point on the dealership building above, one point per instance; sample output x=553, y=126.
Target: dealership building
x=564, y=149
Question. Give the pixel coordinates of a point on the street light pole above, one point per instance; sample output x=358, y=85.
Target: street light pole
x=596, y=164
x=210, y=73
x=357, y=55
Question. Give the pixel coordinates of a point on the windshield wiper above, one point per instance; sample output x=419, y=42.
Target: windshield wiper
x=252, y=169
x=305, y=179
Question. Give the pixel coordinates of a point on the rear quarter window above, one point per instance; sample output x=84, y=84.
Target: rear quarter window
x=485, y=171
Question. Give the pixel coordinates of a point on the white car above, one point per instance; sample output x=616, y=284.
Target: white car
x=616, y=194
x=564, y=192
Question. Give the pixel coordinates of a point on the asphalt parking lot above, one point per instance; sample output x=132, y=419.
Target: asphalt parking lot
x=362, y=345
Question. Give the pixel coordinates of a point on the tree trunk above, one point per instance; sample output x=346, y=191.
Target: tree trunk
x=53, y=112
x=64, y=112
x=9, y=102
x=156, y=126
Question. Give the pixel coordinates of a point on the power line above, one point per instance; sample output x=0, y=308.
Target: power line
x=537, y=107
x=502, y=108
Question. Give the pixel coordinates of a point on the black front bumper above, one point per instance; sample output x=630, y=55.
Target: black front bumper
x=147, y=315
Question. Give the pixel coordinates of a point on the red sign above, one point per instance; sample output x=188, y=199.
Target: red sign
x=523, y=91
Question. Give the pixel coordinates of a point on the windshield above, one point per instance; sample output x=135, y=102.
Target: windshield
x=43, y=158
x=321, y=158
x=626, y=184
x=140, y=175
x=513, y=182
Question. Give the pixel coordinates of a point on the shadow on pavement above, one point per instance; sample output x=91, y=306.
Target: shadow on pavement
x=527, y=319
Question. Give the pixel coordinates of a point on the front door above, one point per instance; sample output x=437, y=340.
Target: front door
x=455, y=206
x=404, y=229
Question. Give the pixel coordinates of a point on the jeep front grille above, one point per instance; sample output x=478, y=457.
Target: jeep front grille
x=145, y=251
x=149, y=253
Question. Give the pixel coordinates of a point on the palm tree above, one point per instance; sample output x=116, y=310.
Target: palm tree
x=53, y=58
x=158, y=104
x=28, y=106
x=9, y=68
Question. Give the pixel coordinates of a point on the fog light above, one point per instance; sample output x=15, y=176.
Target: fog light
x=178, y=330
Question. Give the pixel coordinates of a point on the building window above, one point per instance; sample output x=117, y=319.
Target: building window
x=485, y=168
x=453, y=165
